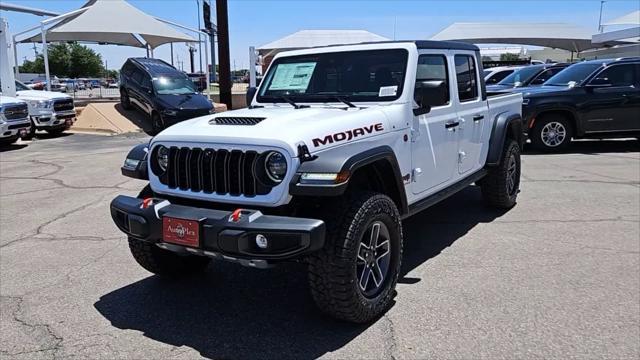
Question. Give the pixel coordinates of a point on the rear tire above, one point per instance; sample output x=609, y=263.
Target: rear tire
x=501, y=185
x=352, y=278
x=552, y=133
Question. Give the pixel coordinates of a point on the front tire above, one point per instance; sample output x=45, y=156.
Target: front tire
x=157, y=124
x=552, y=133
x=353, y=277
x=124, y=100
x=501, y=185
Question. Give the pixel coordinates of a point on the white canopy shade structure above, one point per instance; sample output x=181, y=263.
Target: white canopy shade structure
x=312, y=38
x=632, y=18
x=108, y=22
x=113, y=22
x=553, y=35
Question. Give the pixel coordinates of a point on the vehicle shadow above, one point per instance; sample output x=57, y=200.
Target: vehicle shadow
x=136, y=117
x=590, y=147
x=237, y=312
x=43, y=135
x=11, y=147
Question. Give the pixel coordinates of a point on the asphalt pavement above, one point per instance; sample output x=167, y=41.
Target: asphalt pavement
x=556, y=277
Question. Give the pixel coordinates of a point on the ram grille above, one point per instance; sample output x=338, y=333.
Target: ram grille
x=213, y=171
x=16, y=112
x=63, y=105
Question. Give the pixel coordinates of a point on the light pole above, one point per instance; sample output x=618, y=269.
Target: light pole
x=600, y=19
x=199, y=37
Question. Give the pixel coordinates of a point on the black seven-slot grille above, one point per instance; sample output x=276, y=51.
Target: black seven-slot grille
x=214, y=171
x=236, y=120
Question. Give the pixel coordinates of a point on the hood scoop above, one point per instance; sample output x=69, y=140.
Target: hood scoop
x=225, y=120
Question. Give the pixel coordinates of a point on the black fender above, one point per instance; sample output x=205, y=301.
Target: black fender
x=135, y=165
x=347, y=158
x=501, y=126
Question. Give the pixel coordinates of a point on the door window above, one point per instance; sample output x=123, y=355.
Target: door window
x=617, y=75
x=466, y=77
x=433, y=68
x=497, y=77
x=545, y=75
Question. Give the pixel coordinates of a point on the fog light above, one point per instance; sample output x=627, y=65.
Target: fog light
x=262, y=241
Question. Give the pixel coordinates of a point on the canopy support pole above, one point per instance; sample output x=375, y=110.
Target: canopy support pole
x=206, y=63
x=45, y=54
x=16, y=69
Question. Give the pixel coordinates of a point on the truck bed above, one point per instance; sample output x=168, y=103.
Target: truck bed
x=498, y=104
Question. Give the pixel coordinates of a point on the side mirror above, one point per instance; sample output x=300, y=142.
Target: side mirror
x=429, y=94
x=251, y=92
x=599, y=82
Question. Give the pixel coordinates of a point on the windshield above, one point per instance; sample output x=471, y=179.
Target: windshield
x=174, y=86
x=370, y=75
x=20, y=86
x=573, y=75
x=520, y=76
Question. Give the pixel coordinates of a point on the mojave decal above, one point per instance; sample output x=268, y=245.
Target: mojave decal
x=347, y=135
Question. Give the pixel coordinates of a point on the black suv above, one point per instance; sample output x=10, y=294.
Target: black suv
x=532, y=75
x=162, y=92
x=591, y=99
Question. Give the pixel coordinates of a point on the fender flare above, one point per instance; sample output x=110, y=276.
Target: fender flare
x=340, y=159
x=499, y=135
x=139, y=153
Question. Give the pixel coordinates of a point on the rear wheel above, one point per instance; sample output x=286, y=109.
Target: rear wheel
x=124, y=100
x=552, y=133
x=353, y=277
x=501, y=185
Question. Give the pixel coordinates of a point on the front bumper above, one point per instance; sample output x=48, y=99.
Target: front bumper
x=219, y=236
x=54, y=120
x=15, y=128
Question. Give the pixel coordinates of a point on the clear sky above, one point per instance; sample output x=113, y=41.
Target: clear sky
x=259, y=22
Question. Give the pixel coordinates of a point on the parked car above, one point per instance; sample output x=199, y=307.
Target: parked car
x=495, y=74
x=339, y=144
x=160, y=91
x=533, y=75
x=598, y=98
x=50, y=111
x=14, y=119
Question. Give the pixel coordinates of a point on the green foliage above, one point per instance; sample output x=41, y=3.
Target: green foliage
x=68, y=60
x=509, y=57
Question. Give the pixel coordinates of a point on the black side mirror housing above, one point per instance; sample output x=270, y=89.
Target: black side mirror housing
x=251, y=92
x=429, y=94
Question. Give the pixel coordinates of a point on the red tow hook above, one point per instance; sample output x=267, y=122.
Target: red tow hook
x=146, y=203
x=236, y=215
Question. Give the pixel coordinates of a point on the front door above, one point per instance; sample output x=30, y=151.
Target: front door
x=614, y=101
x=434, y=136
x=472, y=113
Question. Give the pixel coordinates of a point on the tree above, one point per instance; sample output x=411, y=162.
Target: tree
x=67, y=60
x=509, y=57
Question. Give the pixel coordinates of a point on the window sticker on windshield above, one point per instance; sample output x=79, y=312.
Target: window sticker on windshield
x=388, y=91
x=292, y=76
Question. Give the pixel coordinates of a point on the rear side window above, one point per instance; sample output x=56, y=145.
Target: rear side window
x=127, y=69
x=137, y=76
x=497, y=77
x=618, y=75
x=466, y=77
x=433, y=68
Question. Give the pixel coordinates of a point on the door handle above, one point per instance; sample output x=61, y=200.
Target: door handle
x=451, y=124
x=478, y=117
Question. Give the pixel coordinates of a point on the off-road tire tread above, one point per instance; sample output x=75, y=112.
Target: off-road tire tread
x=330, y=269
x=494, y=184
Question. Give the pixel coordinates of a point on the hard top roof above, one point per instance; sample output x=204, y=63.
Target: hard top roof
x=155, y=66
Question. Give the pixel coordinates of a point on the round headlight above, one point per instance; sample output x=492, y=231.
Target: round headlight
x=163, y=157
x=276, y=166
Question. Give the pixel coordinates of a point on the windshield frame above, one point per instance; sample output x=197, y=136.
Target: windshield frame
x=328, y=97
x=568, y=70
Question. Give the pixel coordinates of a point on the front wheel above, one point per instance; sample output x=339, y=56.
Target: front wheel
x=354, y=276
x=552, y=133
x=157, y=124
x=124, y=100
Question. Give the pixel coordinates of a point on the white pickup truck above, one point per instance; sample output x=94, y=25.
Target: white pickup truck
x=338, y=145
x=51, y=111
x=14, y=119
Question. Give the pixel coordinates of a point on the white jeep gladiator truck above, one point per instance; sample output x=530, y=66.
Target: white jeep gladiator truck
x=338, y=146
x=14, y=119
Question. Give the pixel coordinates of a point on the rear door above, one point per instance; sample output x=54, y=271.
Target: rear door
x=614, y=104
x=472, y=111
x=434, y=136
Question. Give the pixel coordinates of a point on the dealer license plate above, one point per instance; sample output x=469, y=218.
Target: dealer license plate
x=181, y=231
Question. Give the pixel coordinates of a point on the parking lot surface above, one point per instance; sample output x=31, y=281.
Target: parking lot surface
x=558, y=276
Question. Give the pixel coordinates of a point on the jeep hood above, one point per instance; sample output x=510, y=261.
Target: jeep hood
x=285, y=127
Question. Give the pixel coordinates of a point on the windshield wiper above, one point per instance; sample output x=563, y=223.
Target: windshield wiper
x=290, y=102
x=344, y=101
